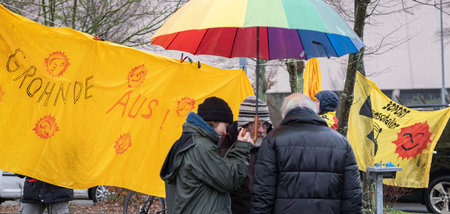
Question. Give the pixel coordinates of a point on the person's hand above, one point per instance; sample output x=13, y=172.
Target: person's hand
x=244, y=135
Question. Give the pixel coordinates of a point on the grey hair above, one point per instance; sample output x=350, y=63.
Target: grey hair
x=297, y=100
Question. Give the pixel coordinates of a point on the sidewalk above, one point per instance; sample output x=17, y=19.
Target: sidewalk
x=76, y=206
x=411, y=207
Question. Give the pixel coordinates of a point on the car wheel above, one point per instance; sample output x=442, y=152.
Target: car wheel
x=98, y=193
x=437, y=198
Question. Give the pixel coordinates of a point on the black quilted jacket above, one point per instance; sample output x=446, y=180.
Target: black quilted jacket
x=305, y=167
x=36, y=191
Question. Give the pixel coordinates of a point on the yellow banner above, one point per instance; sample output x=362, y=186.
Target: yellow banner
x=312, y=79
x=381, y=130
x=79, y=112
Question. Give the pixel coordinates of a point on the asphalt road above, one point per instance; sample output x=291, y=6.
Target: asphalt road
x=16, y=202
x=411, y=207
x=407, y=207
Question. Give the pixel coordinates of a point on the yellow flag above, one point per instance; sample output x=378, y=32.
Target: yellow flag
x=312, y=79
x=331, y=119
x=78, y=112
x=382, y=130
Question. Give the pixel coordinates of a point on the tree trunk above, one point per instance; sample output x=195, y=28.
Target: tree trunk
x=52, y=5
x=355, y=62
x=74, y=13
x=295, y=69
x=44, y=12
x=262, y=88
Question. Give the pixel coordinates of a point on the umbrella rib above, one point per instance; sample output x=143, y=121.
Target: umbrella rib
x=268, y=43
x=234, y=41
x=331, y=46
x=203, y=37
x=171, y=41
x=301, y=42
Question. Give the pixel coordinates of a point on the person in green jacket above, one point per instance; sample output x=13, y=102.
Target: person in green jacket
x=197, y=177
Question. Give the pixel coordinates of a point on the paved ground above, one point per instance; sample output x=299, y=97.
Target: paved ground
x=407, y=207
x=411, y=207
x=9, y=203
x=15, y=203
x=75, y=207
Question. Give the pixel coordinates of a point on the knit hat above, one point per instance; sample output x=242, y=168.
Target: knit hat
x=328, y=101
x=215, y=109
x=247, y=111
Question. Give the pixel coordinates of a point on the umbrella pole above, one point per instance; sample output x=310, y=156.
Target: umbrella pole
x=255, y=125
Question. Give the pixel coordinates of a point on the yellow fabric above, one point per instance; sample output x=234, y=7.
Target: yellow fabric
x=78, y=112
x=312, y=79
x=404, y=136
x=331, y=119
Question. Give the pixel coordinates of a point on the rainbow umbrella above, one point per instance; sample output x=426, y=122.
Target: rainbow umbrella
x=296, y=29
x=266, y=29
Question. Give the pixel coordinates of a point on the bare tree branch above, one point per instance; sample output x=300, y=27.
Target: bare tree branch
x=130, y=22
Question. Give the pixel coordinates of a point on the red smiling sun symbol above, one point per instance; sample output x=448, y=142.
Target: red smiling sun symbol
x=136, y=76
x=57, y=63
x=185, y=105
x=46, y=127
x=412, y=140
x=123, y=143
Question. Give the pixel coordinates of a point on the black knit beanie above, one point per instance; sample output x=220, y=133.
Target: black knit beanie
x=215, y=109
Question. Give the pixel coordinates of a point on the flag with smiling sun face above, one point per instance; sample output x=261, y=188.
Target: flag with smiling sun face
x=381, y=130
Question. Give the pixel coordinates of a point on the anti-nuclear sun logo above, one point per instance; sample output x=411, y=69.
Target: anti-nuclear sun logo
x=57, y=63
x=123, y=143
x=136, y=76
x=185, y=105
x=412, y=140
x=46, y=127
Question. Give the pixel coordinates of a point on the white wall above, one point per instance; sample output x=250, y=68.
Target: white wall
x=414, y=64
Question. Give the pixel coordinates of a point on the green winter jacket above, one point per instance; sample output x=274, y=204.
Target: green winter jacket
x=197, y=177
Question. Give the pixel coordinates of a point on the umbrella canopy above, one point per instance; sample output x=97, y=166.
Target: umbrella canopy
x=300, y=29
x=266, y=29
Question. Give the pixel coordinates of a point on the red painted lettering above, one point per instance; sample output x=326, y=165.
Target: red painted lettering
x=150, y=111
x=119, y=102
x=130, y=114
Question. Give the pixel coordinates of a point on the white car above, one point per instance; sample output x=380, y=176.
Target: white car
x=11, y=188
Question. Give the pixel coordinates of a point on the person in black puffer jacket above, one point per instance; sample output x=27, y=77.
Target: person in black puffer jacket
x=305, y=167
x=38, y=195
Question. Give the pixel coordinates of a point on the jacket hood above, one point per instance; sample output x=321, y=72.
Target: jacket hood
x=185, y=142
x=200, y=122
x=303, y=115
